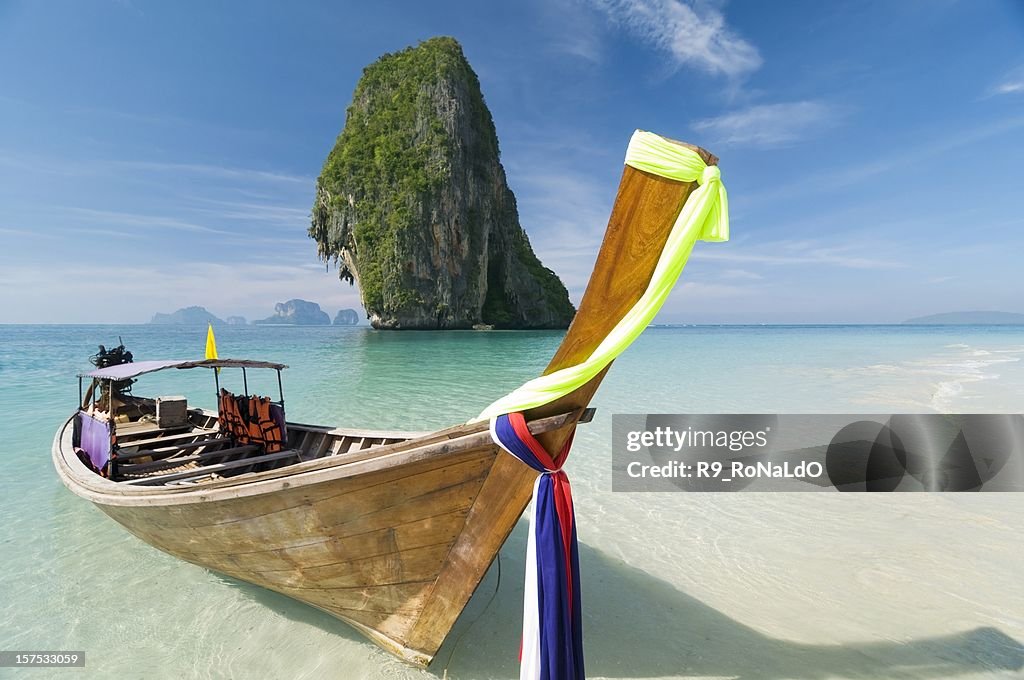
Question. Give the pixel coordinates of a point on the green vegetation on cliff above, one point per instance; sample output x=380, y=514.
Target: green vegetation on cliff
x=390, y=159
x=412, y=202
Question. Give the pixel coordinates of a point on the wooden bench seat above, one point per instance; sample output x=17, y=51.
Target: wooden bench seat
x=131, y=468
x=170, y=449
x=138, y=429
x=216, y=467
x=198, y=432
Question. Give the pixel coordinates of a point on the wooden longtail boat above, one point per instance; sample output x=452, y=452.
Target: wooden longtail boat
x=389, y=531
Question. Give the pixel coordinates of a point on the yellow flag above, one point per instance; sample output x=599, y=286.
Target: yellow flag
x=211, y=343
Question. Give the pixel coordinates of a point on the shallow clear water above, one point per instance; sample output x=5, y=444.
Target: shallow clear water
x=675, y=585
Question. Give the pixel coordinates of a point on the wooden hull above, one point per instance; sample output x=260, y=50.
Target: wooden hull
x=367, y=549
x=366, y=536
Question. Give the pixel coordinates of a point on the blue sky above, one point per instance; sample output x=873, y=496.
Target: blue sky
x=156, y=155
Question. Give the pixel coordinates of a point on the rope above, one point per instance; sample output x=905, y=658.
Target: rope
x=497, y=585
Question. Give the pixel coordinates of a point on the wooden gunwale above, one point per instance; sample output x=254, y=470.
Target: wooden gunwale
x=452, y=440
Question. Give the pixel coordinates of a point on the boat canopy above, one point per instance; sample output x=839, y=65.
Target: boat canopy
x=135, y=369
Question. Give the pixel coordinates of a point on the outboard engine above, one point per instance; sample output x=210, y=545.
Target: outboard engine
x=112, y=357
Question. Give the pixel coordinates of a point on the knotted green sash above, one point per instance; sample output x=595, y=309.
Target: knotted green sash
x=704, y=217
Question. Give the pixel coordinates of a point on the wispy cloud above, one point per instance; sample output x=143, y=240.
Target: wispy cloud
x=253, y=212
x=583, y=41
x=1011, y=83
x=60, y=232
x=740, y=275
x=769, y=125
x=144, y=221
x=10, y=231
x=693, y=35
x=219, y=171
x=582, y=45
x=711, y=290
x=796, y=253
x=44, y=164
x=137, y=222
x=827, y=180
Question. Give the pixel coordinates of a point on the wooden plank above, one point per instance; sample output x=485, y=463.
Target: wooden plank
x=160, y=440
x=192, y=445
x=394, y=566
x=385, y=599
x=314, y=551
x=128, y=455
x=321, y=446
x=166, y=462
x=194, y=480
x=389, y=608
x=216, y=467
x=297, y=440
x=331, y=510
x=390, y=434
x=310, y=442
x=131, y=430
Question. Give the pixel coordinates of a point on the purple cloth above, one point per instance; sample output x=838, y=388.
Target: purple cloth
x=95, y=439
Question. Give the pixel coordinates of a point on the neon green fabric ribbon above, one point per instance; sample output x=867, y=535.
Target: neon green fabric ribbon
x=704, y=217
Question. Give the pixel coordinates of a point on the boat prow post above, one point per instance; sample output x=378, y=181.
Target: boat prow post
x=641, y=221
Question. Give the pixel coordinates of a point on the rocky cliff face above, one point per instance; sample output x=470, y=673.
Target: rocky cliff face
x=297, y=312
x=413, y=205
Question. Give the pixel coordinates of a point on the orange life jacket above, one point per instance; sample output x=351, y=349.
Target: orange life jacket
x=249, y=420
x=230, y=418
x=262, y=426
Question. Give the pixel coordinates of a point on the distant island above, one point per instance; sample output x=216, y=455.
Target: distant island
x=294, y=312
x=346, y=317
x=297, y=313
x=187, y=316
x=969, y=319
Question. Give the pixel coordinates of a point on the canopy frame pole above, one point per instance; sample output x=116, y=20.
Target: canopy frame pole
x=112, y=461
x=245, y=382
x=216, y=387
x=280, y=389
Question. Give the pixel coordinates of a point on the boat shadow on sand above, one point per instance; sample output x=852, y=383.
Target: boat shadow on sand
x=637, y=625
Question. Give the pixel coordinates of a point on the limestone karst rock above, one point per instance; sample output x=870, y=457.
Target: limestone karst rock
x=413, y=205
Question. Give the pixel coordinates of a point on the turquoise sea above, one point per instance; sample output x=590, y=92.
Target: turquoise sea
x=674, y=585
